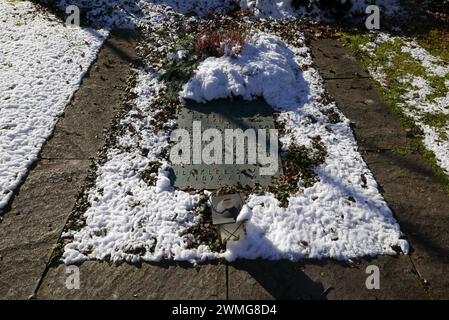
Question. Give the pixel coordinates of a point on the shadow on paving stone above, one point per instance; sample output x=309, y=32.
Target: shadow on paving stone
x=282, y=280
x=156, y=281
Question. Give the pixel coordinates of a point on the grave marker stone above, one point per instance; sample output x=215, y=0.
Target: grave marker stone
x=221, y=115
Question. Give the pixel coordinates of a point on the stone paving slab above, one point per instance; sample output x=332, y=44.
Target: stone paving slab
x=267, y=280
x=79, y=133
x=376, y=127
x=422, y=207
x=148, y=281
x=432, y=263
x=320, y=280
x=397, y=280
x=334, y=61
x=32, y=226
x=38, y=210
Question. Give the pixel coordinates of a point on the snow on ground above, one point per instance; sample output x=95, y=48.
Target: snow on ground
x=342, y=216
x=418, y=103
x=122, y=13
x=126, y=214
x=41, y=65
x=282, y=9
x=321, y=216
x=264, y=67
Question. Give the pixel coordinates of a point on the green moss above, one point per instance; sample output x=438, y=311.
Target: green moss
x=436, y=120
x=404, y=151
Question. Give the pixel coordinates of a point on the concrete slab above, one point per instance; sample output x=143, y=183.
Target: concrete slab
x=164, y=281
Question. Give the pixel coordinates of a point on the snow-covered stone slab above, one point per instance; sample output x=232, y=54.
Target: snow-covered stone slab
x=42, y=62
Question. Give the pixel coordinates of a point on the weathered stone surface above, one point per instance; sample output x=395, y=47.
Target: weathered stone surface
x=80, y=131
x=21, y=267
x=341, y=281
x=376, y=127
x=421, y=205
x=32, y=227
x=40, y=209
x=266, y=280
x=432, y=262
x=333, y=61
x=164, y=281
x=319, y=280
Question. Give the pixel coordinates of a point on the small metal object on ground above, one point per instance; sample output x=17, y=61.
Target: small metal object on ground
x=225, y=210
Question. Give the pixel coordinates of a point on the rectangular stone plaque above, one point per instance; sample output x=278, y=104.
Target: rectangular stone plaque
x=221, y=115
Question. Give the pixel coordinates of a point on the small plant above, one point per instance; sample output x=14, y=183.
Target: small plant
x=217, y=44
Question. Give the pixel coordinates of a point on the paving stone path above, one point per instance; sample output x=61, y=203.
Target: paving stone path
x=33, y=224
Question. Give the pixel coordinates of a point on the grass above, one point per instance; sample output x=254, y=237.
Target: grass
x=397, y=64
x=436, y=120
x=436, y=41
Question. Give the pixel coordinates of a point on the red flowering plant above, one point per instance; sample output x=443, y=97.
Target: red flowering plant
x=217, y=44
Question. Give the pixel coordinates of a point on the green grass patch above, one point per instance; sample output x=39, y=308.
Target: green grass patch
x=397, y=64
x=436, y=41
x=436, y=120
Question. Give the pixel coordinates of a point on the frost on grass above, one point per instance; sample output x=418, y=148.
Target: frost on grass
x=340, y=215
x=41, y=65
x=421, y=82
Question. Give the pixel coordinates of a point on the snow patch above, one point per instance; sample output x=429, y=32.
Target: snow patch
x=42, y=63
x=266, y=64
